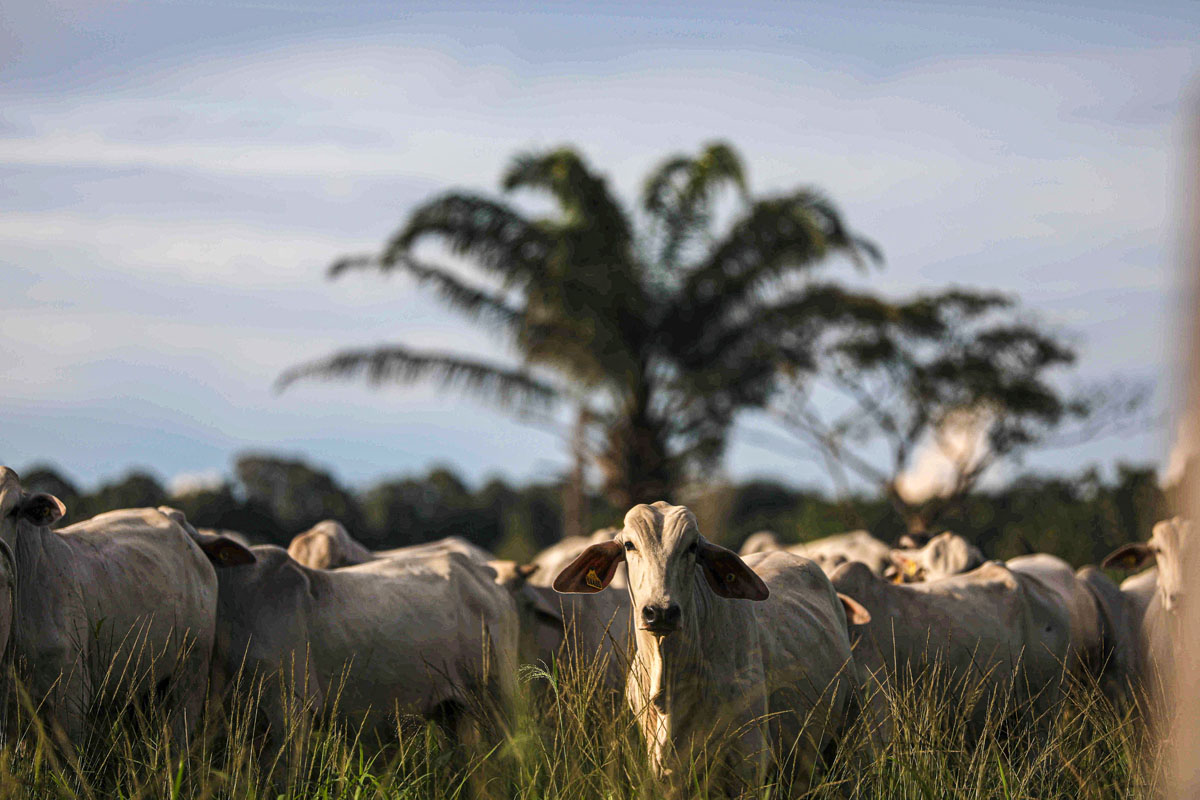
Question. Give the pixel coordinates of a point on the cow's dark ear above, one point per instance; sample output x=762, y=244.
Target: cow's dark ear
x=592, y=571
x=1135, y=555
x=728, y=575
x=41, y=509
x=223, y=551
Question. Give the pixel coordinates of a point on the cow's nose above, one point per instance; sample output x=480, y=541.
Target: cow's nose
x=660, y=618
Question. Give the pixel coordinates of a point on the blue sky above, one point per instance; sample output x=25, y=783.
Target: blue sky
x=177, y=175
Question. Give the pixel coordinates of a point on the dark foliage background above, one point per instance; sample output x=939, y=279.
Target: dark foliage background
x=270, y=498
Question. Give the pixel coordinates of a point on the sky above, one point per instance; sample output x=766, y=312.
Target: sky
x=175, y=177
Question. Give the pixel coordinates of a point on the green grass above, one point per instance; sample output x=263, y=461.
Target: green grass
x=571, y=739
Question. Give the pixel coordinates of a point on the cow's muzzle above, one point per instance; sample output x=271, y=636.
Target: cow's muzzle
x=661, y=620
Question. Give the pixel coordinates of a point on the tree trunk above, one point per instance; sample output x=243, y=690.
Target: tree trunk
x=636, y=462
x=575, y=504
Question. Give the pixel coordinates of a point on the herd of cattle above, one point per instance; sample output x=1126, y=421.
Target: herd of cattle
x=764, y=657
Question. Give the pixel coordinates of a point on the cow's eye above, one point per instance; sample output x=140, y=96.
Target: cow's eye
x=629, y=548
x=693, y=547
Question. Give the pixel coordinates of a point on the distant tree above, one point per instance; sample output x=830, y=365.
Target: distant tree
x=413, y=510
x=221, y=507
x=658, y=329
x=921, y=398
x=136, y=490
x=294, y=493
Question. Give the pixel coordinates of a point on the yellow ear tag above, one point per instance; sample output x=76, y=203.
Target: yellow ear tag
x=910, y=568
x=593, y=580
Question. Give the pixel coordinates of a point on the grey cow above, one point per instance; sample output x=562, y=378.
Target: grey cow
x=983, y=634
x=421, y=636
x=328, y=545
x=830, y=552
x=123, y=603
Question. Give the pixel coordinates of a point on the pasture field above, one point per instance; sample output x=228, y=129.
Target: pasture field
x=570, y=738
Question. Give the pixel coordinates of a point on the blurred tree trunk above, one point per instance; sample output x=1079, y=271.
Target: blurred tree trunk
x=635, y=461
x=575, y=501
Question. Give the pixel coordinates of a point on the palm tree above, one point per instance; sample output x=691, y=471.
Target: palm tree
x=659, y=329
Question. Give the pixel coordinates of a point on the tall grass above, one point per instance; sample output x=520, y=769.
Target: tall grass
x=570, y=737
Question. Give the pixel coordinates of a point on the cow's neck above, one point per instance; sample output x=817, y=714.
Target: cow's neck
x=32, y=549
x=39, y=560
x=677, y=671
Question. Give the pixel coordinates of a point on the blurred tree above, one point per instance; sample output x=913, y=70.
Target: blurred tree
x=136, y=490
x=295, y=494
x=220, y=507
x=658, y=330
x=414, y=510
x=922, y=398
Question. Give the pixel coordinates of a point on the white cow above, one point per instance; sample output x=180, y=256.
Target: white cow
x=1160, y=623
x=983, y=635
x=761, y=542
x=117, y=606
x=419, y=636
x=830, y=552
x=943, y=555
x=328, y=545
x=721, y=645
x=1100, y=644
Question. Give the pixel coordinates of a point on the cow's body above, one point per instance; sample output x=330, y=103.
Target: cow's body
x=412, y=637
x=117, y=606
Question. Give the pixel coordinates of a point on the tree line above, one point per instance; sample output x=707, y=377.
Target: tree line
x=271, y=498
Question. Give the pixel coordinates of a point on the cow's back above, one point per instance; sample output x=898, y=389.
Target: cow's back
x=833, y=551
x=1139, y=592
x=136, y=565
x=450, y=544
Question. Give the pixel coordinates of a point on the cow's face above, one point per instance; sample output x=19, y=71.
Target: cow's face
x=1164, y=550
x=18, y=507
x=1166, y=544
x=664, y=552
x=325, y=545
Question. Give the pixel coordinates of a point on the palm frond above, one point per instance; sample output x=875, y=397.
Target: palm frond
x=508, y=387
x=660, y=189
x=496, y=237
x=776, y=237
x=583, y=195
x=472, y=301
x=681, y=192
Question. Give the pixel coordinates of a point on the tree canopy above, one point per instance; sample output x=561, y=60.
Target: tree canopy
x=659, y=323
